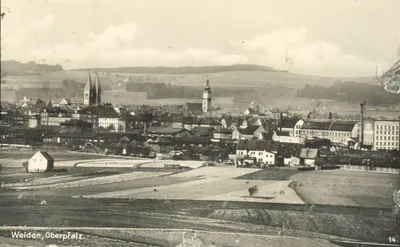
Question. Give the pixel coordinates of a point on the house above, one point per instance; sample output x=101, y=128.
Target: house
x=190, y=123
x=284, y=137
x=199, y=131
x=286, y=151
x=160, y=145
x=109, y=119
x=263, y=151
x=308, y=156
x=291, y=125
x=76, y=125
x=88, y=114
x=169, y=132
x=229, y=122
x=251, y=132
x=33, y=122
x=168, y=121
x=222, y=134
x=52, y=117
x=40, y=162
x=65, y=101
x=195, y=109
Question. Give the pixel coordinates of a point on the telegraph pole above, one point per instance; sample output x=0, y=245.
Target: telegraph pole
x=362, y=125
x=399, y=136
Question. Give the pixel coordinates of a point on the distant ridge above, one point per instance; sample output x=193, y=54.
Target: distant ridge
x=12, y=67
x=186, y=69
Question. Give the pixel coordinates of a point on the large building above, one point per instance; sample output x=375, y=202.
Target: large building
x=386, y=134
x=92, y=92
x=207, y=98
x=337, y=131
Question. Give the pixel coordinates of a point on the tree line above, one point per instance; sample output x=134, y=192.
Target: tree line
x=351, y=92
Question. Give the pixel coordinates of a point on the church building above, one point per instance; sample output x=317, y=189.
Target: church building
x=92, y=92
x=207, y=98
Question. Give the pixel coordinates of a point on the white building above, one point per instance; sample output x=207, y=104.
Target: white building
x=108, y=118
x=286, y=138
x=40, y=162
x=386, y=134
x=263, y=151
x=292, y=126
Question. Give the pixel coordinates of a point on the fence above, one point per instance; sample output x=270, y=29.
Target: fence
x=371, y=169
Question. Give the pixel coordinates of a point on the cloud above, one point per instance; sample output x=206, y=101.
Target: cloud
x=113, y=47
x=113, y=35
x=289, y=49
x=12, y=40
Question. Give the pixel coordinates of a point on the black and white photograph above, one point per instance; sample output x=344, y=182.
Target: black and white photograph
x=200, y=123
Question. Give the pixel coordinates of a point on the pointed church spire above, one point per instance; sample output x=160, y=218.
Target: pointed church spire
x=97, y=89
x=88, y=92
x=89, y=81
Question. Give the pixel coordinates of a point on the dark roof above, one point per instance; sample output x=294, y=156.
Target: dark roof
x=107, y=112
x=138, y=118
x=249, y=130
x=230, y=119
x=165, y=118
x=289, y=122
x=334, y=125
x=251, y=110
x=282, y=133
x=165, y=130
x=195, y=107
x=308, y=153
x=224, y=131
x=190, y=140
x=46, y=155
x=200, y=121
x=201, y=131
x=76, y=122
x=287, y=150
x=258, y=145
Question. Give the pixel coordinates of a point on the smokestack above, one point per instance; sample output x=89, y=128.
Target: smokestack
x=145, y=128
x=330, y=116
x=362, y=124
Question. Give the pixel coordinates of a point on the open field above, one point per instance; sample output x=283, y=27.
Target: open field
x=328, y=204
x=340, y=187
x=319, y=221
x=229, y=78
x=162, y=237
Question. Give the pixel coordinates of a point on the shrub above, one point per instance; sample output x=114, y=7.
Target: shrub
x=253, y=190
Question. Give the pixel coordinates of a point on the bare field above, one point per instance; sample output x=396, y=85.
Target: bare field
x=168, y=238
x=320, y=222
x=341, y=187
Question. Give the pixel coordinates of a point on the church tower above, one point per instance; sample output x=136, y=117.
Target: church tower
x=87, y=92
x=97, y=90
x=92, y=92
x=207, y=98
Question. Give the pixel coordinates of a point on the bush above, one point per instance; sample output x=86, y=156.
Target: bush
x=253, y=190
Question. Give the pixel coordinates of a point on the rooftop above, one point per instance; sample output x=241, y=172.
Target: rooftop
x=257, y=145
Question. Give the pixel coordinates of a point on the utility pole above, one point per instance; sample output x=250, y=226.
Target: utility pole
x=361, y=139
x=399, y=135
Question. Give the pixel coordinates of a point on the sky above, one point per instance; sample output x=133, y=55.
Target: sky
x=340, y=38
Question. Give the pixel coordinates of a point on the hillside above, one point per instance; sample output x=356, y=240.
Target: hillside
x=186, y=69
x=351, y=92
x=11, y=67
